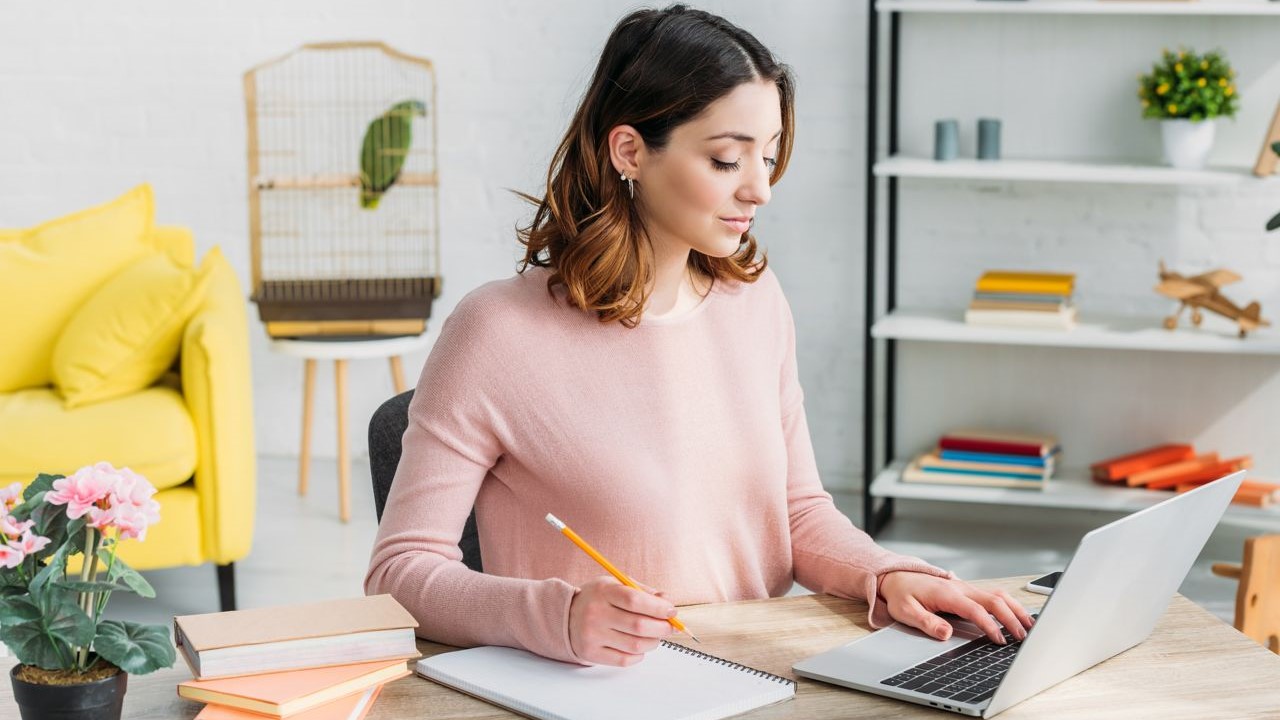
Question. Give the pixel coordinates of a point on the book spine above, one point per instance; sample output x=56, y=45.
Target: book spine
x=1024, y=287
x=1200, y=475
x=1119, y=468
x=1165, y=472
x=993, y=446
x=982, y=473
x=966, y=456
x=1022, y=297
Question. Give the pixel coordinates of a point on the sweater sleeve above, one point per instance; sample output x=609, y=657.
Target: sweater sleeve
x=829, y=554
x=449, y=447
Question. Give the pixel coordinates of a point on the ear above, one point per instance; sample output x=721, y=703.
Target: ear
x=626, y=149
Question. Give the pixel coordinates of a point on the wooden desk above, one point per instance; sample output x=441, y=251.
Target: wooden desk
x=1192, y=666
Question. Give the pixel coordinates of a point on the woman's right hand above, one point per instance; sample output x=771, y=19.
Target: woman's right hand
x=612, y=624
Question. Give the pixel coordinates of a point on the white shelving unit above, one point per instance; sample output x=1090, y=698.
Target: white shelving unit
x=1103, y=333
x=1083, y=7
x=1069, y=488
x=1059, y=170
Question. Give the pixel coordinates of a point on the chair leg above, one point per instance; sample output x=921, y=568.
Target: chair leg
x=397, y=374
x=344, y=462
x=227, y=586
x=304, y=457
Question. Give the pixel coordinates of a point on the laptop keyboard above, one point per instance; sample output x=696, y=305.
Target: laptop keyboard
x=970, y=673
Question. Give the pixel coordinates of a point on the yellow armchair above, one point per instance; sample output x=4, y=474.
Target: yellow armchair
x=191, y=434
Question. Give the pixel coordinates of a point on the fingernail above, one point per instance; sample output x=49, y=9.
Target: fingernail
x=671, y=613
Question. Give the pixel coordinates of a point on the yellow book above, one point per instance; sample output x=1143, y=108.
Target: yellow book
x=1026, y=282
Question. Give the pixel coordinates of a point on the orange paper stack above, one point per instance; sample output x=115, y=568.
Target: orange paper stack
x=1178, y=467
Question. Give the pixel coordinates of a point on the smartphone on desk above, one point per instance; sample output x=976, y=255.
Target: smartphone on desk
x=1045, y=583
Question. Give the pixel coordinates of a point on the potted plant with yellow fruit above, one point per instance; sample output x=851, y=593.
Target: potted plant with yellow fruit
x=1187, y=92
x=73, y=662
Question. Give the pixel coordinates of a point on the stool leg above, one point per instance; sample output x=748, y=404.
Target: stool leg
x=344, y=462
x=397, y=374
x=304, y=456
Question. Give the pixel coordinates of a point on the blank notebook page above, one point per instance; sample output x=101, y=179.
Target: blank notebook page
x=671, y=682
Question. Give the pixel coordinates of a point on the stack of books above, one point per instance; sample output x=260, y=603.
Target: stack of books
x=1023, y=299
x=319, y=661
x=1178, y=467
x=990, y=458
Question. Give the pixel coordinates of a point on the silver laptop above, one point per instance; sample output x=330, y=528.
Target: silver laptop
x=1142, y=558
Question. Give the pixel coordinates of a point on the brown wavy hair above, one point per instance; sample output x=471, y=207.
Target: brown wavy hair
x=586, y=229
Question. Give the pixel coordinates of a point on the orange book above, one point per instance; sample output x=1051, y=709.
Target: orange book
x=351, y=707
x=1251, y=492
x=1172, y=469
x=1202, y=475
x=287, y=693
x=1119, y=468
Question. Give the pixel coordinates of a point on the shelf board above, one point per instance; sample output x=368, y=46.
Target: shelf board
x=1060, y=171
x=1083, y=7
x=1110, y=333
x=334, y=180
x=1072, y=489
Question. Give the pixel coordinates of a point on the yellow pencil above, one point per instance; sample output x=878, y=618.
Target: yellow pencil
x=622, y=578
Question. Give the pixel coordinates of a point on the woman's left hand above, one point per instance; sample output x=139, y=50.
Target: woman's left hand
x=914, y=598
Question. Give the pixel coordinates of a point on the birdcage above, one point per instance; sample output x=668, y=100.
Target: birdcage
x=343, y=191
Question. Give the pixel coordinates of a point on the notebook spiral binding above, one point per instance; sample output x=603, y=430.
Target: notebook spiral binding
x=728, y=663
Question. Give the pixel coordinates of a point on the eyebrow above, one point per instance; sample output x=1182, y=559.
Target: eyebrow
x=740, y=137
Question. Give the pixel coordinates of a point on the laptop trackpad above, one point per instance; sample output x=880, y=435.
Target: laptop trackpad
x=886, y=652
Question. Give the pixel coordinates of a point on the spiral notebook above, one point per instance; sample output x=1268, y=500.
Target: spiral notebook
x=672, y=682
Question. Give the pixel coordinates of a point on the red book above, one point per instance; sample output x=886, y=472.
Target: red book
x=1119, y=468
x=997, y=442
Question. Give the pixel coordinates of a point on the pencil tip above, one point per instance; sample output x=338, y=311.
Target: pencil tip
x=695, y=638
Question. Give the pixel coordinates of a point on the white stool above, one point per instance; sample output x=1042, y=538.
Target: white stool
x=340, y=351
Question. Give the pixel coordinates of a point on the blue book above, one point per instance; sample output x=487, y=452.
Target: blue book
x=981, y=473
x=967, y=456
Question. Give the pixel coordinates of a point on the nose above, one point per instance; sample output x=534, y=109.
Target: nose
x=755, y=187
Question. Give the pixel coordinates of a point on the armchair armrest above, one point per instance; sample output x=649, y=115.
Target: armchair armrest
x=217, y=386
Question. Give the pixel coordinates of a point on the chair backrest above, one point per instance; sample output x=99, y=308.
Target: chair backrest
x=386, y=435
x=1258, y=597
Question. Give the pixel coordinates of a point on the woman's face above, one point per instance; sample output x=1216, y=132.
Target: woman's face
x=704, y=187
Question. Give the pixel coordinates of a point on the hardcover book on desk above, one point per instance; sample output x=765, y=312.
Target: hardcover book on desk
x=273, y=639
x=285, y=694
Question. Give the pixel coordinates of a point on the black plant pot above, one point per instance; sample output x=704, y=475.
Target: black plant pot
x=99, y=700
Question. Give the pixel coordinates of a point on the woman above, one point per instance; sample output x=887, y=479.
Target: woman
x=637, y=378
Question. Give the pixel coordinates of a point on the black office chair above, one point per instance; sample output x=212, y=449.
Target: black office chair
x=386, y=433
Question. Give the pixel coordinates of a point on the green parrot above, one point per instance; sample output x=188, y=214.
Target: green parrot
x=386, y=144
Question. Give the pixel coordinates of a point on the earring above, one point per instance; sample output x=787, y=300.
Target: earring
x=631, y=187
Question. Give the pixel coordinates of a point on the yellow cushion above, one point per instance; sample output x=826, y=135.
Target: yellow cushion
x=126, y=335
x=49, y=270
x=149, y=431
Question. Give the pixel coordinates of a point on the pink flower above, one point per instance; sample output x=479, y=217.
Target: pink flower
x=29, y=544
x=10, y=496
x=10, y=526
x=132, y=520
x=85, y=488
x=10, y=557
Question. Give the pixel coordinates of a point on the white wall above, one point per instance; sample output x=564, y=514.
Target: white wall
x=100, y=96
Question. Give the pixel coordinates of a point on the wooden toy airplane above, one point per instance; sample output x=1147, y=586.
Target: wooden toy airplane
x=1201, y=292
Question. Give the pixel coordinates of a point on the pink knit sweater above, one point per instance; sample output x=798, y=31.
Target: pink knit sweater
x=678, y=448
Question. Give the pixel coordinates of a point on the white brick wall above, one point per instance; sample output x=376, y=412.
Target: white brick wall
x=100, y=96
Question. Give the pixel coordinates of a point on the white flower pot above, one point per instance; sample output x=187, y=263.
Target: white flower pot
x=1186, y=143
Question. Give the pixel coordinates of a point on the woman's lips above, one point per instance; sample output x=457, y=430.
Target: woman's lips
x=739, y=225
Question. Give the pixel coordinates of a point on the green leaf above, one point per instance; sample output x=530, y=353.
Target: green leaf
x=125, y=574
x=47, y=641
x=42, y=483
x=15, y=610
x=79, y=586
x=134, y=647
x=54, y=570
x=1274, y=222
x=1275, y=147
